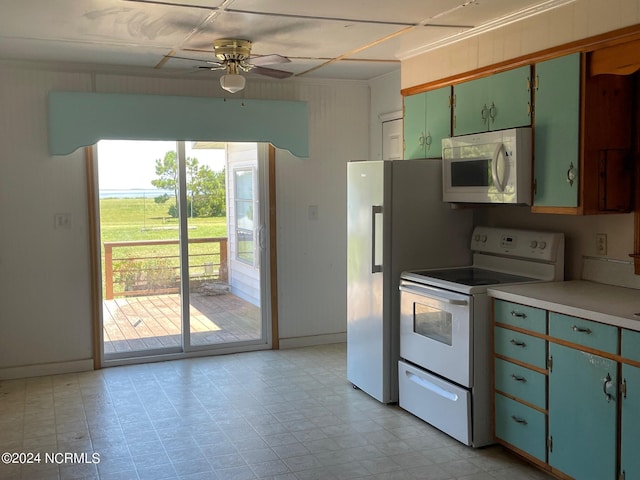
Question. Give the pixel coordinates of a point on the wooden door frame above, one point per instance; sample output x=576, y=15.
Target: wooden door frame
x=94, y=254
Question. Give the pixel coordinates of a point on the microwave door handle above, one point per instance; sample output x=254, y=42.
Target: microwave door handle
x=494, y=167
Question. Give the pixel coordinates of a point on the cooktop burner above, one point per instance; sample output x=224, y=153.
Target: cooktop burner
x=473, y=276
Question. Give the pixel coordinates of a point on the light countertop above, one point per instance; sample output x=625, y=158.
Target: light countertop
x=603, y=303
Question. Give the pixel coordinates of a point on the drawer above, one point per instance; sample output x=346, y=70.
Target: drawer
x=630, y=346
x=529, y=318
x=584, y=332
x=442, y=404
x=521, y=382
x=520, y=346
x=521, y=426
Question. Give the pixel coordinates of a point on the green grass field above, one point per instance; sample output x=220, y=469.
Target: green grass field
x=142, y=219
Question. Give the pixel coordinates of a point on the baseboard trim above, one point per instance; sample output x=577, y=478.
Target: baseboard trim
x=312, y=340
x=46, y=369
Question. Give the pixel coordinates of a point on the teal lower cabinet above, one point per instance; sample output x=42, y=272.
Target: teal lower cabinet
x=630, y=424
x=520, y=426
x=582, y=414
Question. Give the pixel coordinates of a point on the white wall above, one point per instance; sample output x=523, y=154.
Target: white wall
x=385, y=99
x=577, y=20
x=45, y=300
x=45, y=304
x=312, y=253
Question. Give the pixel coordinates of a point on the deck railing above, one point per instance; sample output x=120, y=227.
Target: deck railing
x=135, y=273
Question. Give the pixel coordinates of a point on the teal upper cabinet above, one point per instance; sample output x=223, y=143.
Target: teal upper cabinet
x=427, y=120
x=495, y=102
x=556, y=132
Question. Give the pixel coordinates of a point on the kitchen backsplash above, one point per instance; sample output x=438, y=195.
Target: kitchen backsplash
x=609, y=271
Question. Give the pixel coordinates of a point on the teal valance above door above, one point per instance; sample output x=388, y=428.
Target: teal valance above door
x=78, y=119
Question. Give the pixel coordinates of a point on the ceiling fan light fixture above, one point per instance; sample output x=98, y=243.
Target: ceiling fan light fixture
x=232, y=82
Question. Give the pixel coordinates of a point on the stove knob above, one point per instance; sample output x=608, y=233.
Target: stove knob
x=476, y=237
x=483, y=238
x=533, y=244
x=542, y=245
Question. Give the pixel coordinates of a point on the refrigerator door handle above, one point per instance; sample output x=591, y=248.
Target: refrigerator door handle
x=376, y=240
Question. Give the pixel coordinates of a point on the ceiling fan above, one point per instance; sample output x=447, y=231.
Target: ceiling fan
x=234, y=56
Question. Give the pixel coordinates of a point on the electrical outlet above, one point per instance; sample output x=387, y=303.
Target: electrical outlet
x=601, y=243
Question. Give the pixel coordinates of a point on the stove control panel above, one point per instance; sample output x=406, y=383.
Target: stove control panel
x=529, y=244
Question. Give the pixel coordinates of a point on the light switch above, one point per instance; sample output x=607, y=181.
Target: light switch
x=62, y=220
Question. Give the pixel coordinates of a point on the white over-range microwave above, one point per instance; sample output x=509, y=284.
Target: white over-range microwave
x=488, y=167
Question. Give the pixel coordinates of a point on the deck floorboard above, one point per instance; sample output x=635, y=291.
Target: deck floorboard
x=150, y=322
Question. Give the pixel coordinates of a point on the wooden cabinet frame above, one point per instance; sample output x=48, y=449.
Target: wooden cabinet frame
x=616, y=52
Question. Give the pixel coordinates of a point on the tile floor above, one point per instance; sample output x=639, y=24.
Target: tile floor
x=286, y=415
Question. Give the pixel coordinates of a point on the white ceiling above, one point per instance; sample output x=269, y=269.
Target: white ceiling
x=347, y=39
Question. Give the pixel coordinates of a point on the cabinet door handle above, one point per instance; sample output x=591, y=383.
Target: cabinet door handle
x=428, y=140
x=421, y=140
x=493, y=112
x=518, y=343
x=519, y=420
x=518, y=314
x=571, y=174
x=518, y=378
x=577, y=329
x=605, y=386
x=484, y=113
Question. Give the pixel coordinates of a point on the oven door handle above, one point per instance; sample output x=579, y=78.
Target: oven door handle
x=433, y=293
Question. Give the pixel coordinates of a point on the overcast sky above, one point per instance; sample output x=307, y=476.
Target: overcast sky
x=127, y=164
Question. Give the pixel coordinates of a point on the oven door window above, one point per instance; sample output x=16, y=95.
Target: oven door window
x=432, y=323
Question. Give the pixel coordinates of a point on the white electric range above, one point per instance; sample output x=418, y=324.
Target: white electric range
x=445, y=328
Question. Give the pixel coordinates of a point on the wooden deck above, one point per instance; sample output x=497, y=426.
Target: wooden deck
x=152, y=322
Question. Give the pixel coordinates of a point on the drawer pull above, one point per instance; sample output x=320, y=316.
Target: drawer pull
x=518, y=378
x=575, y=328
x=519, y=420
x=518, y=314
x=518, y=343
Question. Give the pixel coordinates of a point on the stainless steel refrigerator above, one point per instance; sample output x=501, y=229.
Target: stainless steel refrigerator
x=396, y=221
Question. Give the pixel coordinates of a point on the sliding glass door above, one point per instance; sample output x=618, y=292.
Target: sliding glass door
x=181, y=266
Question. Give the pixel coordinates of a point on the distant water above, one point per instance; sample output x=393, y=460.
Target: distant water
x=134, y=193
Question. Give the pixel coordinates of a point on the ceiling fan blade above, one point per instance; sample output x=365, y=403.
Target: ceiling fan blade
x=220, y=67
x=261, y=60
x=215, y=64
x=271, y=72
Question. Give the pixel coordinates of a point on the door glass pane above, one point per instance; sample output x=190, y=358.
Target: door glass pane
x=218, y=313
x=432, y=323
x=244, y=216
x=163, y=235
x=140, y=248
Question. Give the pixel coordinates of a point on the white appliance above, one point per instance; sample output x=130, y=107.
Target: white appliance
x=489, y=167
x=396, y=220
x=445, y=328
